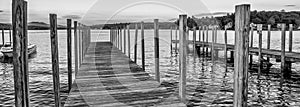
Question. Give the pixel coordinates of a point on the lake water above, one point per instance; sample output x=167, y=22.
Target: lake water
x=208, y=84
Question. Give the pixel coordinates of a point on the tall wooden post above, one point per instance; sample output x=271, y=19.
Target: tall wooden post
x=182, y=57
x=69, y=50
x=283, y=62
x=20, y=56
x=260, y=63
x=55, y=61
x=156, y=49
x=143, y=45
x=290, y=37
x=269, y=40
x=76, y=47
x=135, y=43
x=121, y=40
x=242, y=21
x=128, y=34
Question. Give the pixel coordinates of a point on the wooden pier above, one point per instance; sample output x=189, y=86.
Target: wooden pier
x=107, y=77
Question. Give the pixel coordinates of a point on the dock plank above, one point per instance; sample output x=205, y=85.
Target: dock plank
x=108, y=78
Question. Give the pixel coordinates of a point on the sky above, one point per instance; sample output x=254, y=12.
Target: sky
x=92, y=12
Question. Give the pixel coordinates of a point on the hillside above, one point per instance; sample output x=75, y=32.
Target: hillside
x=33, y=26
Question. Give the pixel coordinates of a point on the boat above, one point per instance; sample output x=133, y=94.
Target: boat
x=7, y=50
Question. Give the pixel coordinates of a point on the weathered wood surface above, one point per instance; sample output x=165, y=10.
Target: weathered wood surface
x=183, y=32
x=55, y=61
x=240, y=87
x=20, y=56
x=108, y=77
x=272, y=53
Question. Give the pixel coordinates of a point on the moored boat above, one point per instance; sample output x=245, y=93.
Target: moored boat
x=7, y=50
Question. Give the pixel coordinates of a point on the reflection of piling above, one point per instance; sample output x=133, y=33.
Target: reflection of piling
x=242, y=21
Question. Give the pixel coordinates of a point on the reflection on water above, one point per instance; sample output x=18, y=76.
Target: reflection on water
x=208, y=83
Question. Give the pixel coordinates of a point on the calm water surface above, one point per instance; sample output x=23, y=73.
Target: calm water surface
x=208, y=84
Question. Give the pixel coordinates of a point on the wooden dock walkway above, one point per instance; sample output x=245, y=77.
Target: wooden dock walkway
x=271, y=53
x=107, y=77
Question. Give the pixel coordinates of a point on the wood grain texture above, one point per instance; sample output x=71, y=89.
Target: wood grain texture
x=109, y=78
x=242, y=22
x=55, y=61
x=20, y=56
x=69, y=51
x=182, y=56
x=156, y=49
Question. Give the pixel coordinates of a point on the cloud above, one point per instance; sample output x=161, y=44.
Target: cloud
x=71, y=17
x=290, y=5
x=210, y=14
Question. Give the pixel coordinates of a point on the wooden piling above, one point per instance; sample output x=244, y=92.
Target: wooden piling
x=128, y=34
x=242, y=21
x=69, y=51
x=121, y=40
x=156, y=49
x=124, y=40
x=55, y=61
x=182, y=53
x=283, y=62
x=76, y=47
x=171, y=35
x=260, y=63
x=225, y=49
x=176, y=44
x=203, y=40
x=194, y=44
x=135, y=43
x=10, y=41
x=20, y=56
x=3, y=39
x=269, y=40
x=251, y=45
x=213, y=45
x=290, y=37
x=207, y=28
x=143, y=45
